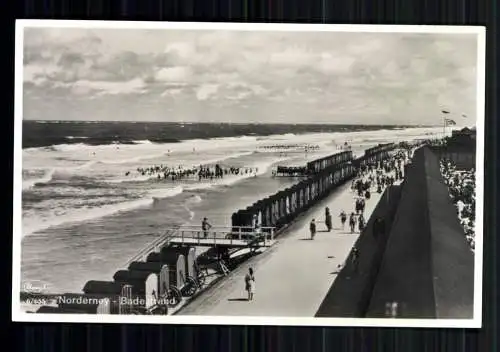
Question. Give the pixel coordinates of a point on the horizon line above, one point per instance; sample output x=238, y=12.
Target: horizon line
x=236, y=123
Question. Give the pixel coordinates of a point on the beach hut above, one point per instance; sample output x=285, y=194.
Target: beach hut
x=235, y=221
x=136, y=278
x=149, y=266
x=157, y=280
x=189, y=254
x=287, y=201
x=176, y=264
x=95, y=287
x=151, y=291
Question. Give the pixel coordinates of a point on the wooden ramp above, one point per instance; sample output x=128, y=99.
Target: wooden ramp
x=220, y=242
x=221, y=236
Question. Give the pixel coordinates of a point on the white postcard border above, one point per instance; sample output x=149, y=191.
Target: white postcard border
x=19, y=315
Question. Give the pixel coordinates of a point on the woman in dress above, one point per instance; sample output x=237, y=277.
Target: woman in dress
x=328, y=219
x=250, y=284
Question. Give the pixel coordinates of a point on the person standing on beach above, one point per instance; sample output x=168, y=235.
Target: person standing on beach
x=205, y=226
x=312, y=228
x=250, y=284
x=328, y=219
x=343, y=218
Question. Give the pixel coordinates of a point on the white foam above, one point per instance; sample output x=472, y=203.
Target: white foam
x=37, y=223
x=107, y=156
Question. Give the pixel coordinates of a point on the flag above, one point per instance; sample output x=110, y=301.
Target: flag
x=449, y=122
x=445, y=112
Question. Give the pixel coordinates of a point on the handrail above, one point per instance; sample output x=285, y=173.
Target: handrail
x=152, y=245
x=211, y=234
x=215, y=236
x=225, y=227
x=174, y=232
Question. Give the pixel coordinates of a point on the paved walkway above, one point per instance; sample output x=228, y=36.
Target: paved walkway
x=293, y=276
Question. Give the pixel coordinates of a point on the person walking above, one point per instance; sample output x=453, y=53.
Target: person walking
x=343, y=219
x=352, y=222
x=328, y=219
x=312, y=228
x=205, y=226
x=250, y=284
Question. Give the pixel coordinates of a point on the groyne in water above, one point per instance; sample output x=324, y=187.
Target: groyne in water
x=171, y=270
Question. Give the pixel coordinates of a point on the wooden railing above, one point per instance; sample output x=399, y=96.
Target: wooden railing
x=153, y=246
x=236, y=233
x=232, y=234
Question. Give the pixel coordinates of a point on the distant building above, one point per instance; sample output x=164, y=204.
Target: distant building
x=464, y=137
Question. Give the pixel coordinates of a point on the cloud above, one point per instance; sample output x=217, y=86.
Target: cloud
x=206, y=91
x=173, y=74
x=338, y=77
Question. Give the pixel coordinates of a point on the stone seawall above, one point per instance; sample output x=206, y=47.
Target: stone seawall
x=350, y=293
x=463, y=157
x=428, y=269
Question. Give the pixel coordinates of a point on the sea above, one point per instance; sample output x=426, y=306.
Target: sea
x=86, y=210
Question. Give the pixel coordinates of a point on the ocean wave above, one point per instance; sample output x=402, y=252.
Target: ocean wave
x=36, y=224
x=55, y=173
x=76, y=137
x=194, y=199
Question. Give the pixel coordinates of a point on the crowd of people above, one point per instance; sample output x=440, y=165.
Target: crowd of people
x=371, y=177
x=345, y=146
x=305, y=147
x=164, y=172
x=462, y=188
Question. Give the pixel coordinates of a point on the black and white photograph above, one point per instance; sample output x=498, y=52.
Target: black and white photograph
x=254, y=174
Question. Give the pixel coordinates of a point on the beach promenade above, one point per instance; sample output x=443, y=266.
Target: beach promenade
x=293, y=276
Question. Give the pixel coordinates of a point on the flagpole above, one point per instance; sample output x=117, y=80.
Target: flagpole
x=444, y=126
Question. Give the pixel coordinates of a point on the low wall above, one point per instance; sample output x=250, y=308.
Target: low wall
x=464, y=158
x=350, y=294
x=427, y=268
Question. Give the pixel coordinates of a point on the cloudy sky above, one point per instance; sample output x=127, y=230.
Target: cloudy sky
x=235, y=76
